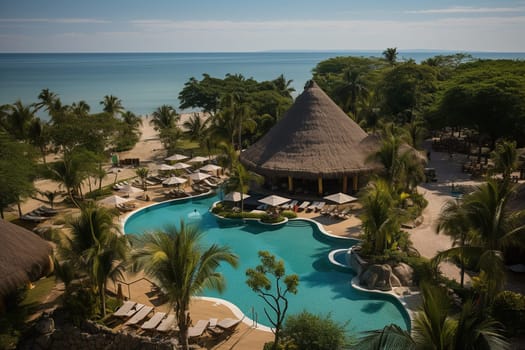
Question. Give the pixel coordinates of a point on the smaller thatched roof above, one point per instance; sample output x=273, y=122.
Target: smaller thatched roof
x=24, y=257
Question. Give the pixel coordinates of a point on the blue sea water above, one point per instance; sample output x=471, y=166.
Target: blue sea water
x=145, y=81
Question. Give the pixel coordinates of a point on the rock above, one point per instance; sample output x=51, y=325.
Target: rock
x=377, y=277
x=43, y=341
x=355, y=261
x=405, y=273
x=45, y=325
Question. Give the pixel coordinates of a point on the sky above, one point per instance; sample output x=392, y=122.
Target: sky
x=247, y=25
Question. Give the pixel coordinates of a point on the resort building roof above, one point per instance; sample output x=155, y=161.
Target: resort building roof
x=315, y=139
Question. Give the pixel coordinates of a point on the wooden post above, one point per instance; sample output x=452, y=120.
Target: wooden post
x=290, y=184
x=320, y=185
x=354, y=182
x=345, y=184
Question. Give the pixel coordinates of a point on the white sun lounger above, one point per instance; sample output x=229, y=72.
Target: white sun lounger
x=153, y=321
x=228, y=323
x=312, y=206
x=140, y=315
x=290, y=205
x=320, y=206
x=304, y=205
x=167, y=323
x=198, y=329
x=125, y=308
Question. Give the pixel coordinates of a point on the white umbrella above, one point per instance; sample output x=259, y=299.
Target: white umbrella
x=274, y=200
x=197, y=159
x=128, y=189
x=113, y=200
x=198, y=176
x=235, y=197
x=210, y=168
x=166, y=167
x=174, y=180
x=340, y=198
x=176, y=157
x=179, y=166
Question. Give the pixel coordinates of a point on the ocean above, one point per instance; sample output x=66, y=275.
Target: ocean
x=145, y=81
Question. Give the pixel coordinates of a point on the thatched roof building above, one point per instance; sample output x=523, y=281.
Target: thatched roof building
x=24, y=257
x=315, y=140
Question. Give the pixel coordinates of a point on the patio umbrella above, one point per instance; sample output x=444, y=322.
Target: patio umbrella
x=197, y=159
x=274, y=200
x=198, y=176
x=176, y=157
x=340, y=198
x=128, y=189
x=210, y=168
x=166, y=167
x=174, y=180
x=179, y=166
x=113, y=200
x=235, y=197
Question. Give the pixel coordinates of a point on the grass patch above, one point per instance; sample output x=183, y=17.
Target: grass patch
x=41, y=290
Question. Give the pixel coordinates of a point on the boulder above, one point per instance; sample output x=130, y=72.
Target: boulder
x=377, y=277
x=45, y=325
x=404, y=273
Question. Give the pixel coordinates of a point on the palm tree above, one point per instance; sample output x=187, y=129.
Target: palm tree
x=47, y=99
x=38, y=135
x=390, y=55
x=380, y=217
x=351, y=90
x=176, y=260
x=143, y=174
x=68, y=173
x=80, y=109
x=415, y=132
x=239, y=180
x=112, y=105
x=164, y=117
x=94, y=247
x=130, y=119
x=435, y=328
x=19, y=119
x=283, y=86
x=492, y=227
x=505, y=158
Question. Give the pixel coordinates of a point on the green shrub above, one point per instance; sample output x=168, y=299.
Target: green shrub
x=80, y=303
x=290, y=214
x=307, y=331
x=509, y=309
x=423, y=269
x=96, y=194
x=271, y=219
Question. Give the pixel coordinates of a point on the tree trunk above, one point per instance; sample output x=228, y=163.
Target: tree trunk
x=103, y=299
x=2, y=213
x=19, y=209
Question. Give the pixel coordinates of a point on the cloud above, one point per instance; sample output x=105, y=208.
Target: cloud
x=54, y=20
x=466, y=9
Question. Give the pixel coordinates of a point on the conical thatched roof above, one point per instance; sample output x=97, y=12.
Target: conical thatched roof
x=24, y=257
x=314, y=138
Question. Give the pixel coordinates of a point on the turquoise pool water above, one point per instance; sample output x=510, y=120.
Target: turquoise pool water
x=322, y=288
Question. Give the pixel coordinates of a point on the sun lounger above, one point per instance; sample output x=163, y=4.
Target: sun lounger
x=153, y=321
x=167, y=324
x=125, y=308
x=229, y=323
x=208, y=183
x=312, y=206
x=304, y=205
x=33, y=218
x=320, y=206
x=344, y=213
x=327, y=209
x=140, y=315
x=290, y=205
x=198, y=329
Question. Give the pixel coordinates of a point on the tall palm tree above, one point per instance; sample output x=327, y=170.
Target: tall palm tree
x=80, y=109
x=112, y=105
x=130, y=119
x=390, y=55
x=283, y=86
x=94, y=246
x=415, y=132
x=351, y=89
x=38, y=135
x=47, y=100
x=380, y=218
x=164, y=117
x=492, y=227
x=239, y=180
x=435, y=328
x=19, y=119
x=143, y=174
x=176, y=260
x=505, y=158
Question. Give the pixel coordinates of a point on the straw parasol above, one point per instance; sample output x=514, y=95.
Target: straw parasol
x=176, y=157
x=174, y=180
x=210, y=168
x=166, y=167
x=180, y=166
x=129, y=190
x=315, y=139
x=340, y=198
x=274, y=200
x=198, y=176
x=235, y=197
x=197, y=159
x=113, y=200
x=24, y=257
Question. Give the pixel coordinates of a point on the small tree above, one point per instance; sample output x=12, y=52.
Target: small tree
x=260, y=283
x=143, y=174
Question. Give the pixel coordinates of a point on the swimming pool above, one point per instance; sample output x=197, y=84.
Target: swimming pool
x=322, y=287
